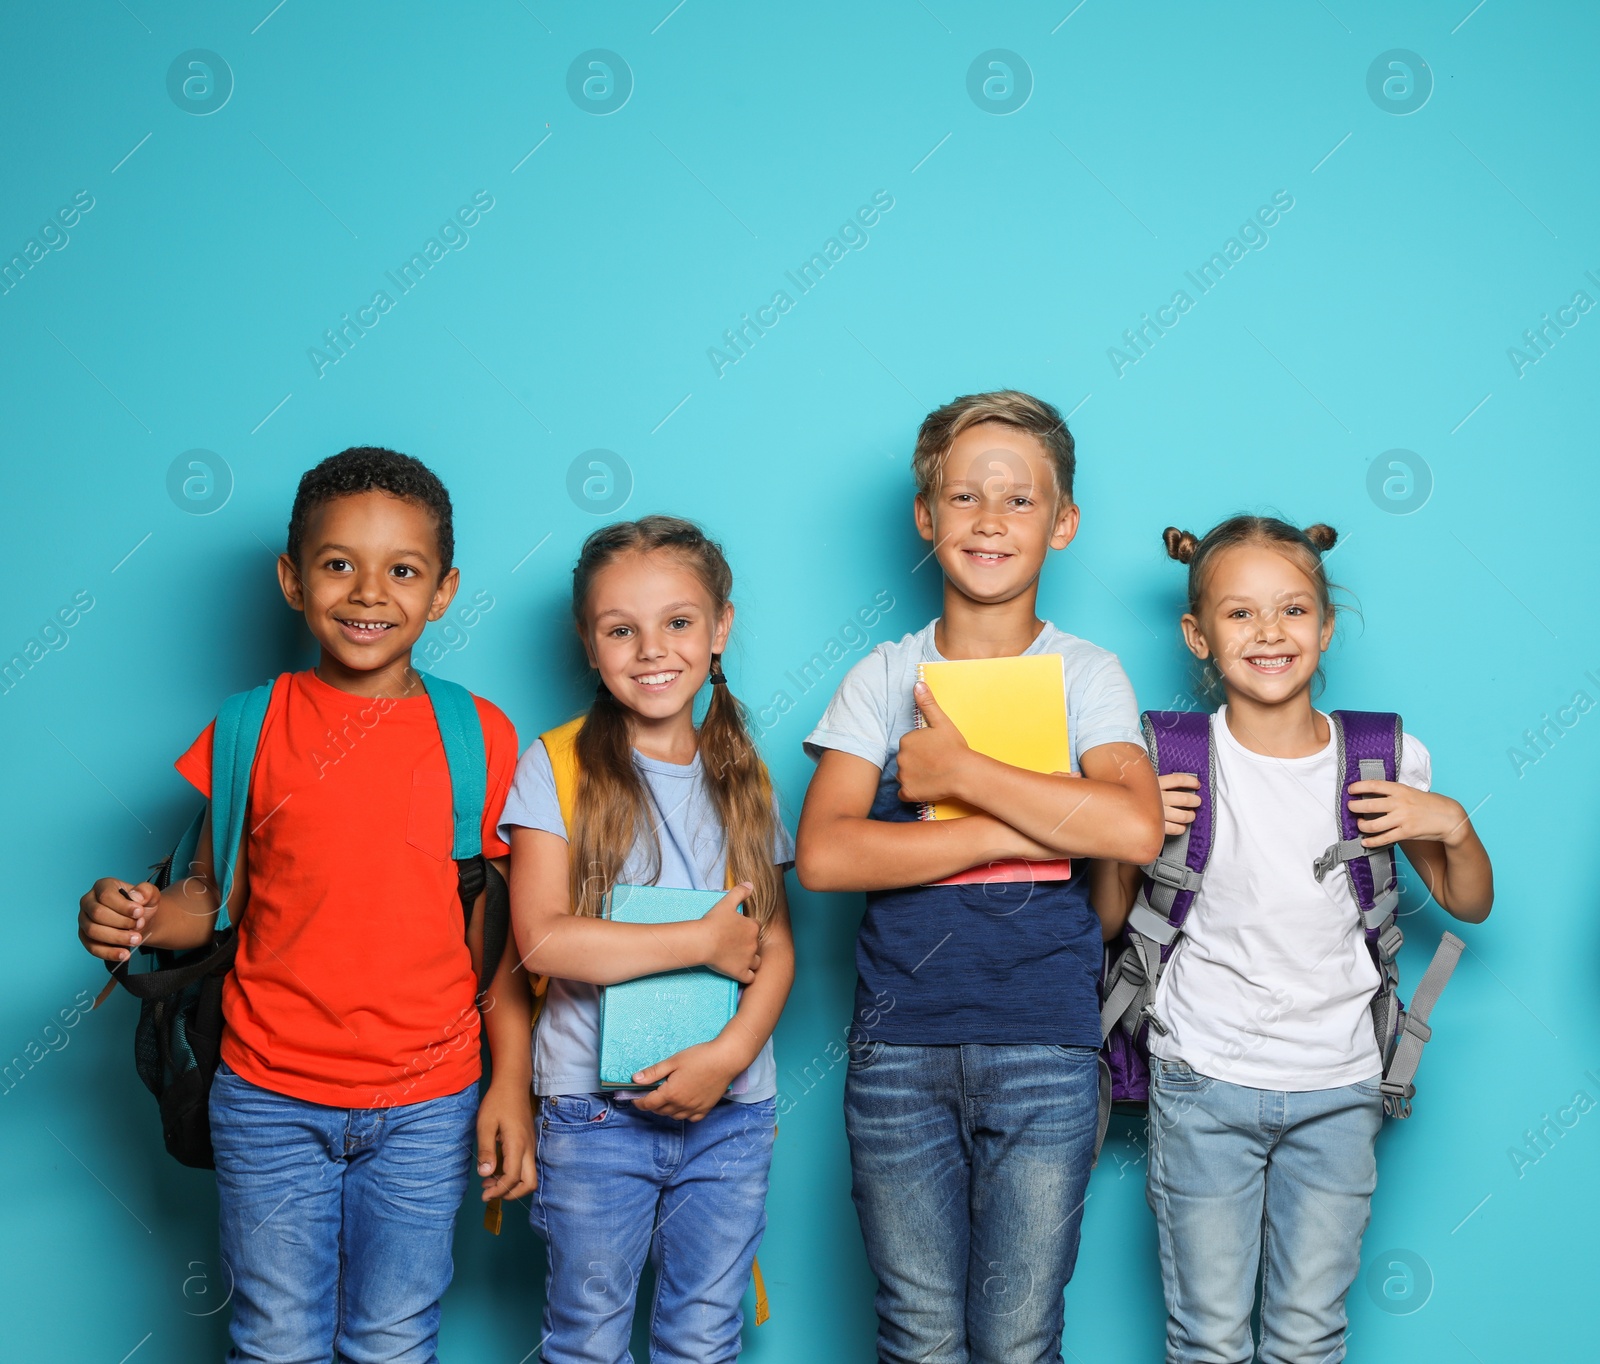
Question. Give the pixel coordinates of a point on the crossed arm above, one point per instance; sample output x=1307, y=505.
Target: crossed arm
x=1112, y=811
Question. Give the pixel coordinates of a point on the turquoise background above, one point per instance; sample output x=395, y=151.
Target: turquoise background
x=1018, y=250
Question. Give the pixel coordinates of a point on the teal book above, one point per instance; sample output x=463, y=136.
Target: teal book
x=649, y=1019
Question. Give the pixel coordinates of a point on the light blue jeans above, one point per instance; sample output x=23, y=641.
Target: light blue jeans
x=1259, y=1185
x=336, y=1223
x=615, y=1184
x=970, y=1168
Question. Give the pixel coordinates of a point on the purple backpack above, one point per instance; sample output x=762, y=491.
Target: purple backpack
x=1369, y=750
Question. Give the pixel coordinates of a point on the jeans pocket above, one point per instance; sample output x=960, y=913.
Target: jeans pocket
x=1369, y=1089
x=862, y=1051
x=573, y=1112
x=1177, y=1077
x=1084, y=1056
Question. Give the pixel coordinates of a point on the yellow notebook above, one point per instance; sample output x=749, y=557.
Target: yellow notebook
x=1013, y=710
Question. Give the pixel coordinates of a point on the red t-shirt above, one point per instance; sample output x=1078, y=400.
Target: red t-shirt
x=353, y=985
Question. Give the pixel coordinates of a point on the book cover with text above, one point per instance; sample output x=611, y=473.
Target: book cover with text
x=646, y=1020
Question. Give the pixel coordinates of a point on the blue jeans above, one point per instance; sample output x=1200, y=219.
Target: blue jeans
x=616, y=1183
x=1259, y=1184
x=336, y=1223
x=970, y=1167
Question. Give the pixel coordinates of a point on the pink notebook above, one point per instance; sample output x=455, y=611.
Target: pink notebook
x=1011, y=870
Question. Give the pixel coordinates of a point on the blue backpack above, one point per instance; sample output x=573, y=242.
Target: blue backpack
x=178, y=1038
x=1369, y=744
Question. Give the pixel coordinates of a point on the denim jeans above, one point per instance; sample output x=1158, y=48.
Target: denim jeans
x=336, y=1223
x=970, y=1166
x=617, y=1183
x=1259, y=1185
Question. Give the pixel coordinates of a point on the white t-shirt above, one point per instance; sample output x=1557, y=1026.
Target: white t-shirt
x=1271, y=981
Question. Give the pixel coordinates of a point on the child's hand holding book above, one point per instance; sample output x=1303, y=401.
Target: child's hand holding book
x=732, y=939
x=995, y=716
x=933, y=757
x=691, y=1082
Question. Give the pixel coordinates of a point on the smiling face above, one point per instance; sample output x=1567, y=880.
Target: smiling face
x=1261, y=619
x=650, y=627
x=996, y=512
x=368, y=581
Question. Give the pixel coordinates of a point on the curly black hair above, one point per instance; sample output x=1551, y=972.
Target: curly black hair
x=368, y=468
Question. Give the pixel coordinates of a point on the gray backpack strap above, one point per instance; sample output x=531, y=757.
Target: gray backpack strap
x=1131, y=985
x=1371, y=870
x=1102, y=1119
x=1387, y=1011
x=1169, y=876
x=1178, y=741
x=1369, y=746
x=1379, y=861
x=1400, y=1075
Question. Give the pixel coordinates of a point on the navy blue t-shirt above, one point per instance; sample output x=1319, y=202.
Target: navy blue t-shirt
x=996, y=963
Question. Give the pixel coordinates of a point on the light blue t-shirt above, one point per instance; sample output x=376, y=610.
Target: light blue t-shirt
x=566, y=1044
x=1005, y=963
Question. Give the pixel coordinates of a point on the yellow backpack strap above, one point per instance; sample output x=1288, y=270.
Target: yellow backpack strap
x=562, y=746
x=762, y=1310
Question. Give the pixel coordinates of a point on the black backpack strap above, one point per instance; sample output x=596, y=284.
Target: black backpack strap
x=475, y=876
x=496, y=926
x=186, y=968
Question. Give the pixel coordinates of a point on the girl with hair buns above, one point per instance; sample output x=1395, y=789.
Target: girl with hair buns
x=1264, y=1068
x=678, y=1168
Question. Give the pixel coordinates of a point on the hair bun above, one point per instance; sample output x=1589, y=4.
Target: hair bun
x=1181, y=544
x=1323, y=538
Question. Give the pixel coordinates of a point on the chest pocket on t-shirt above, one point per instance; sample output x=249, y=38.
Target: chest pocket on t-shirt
x=429, y=826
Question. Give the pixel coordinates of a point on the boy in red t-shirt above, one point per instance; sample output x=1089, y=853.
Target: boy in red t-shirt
x=342, y=1114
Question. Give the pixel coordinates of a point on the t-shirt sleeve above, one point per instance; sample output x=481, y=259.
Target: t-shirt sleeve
x=857, y=719
x=532, y=802
x=782, y=839
x=1101, y=709
x=1416, y=764
x=500, y=748
x=195, y=764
